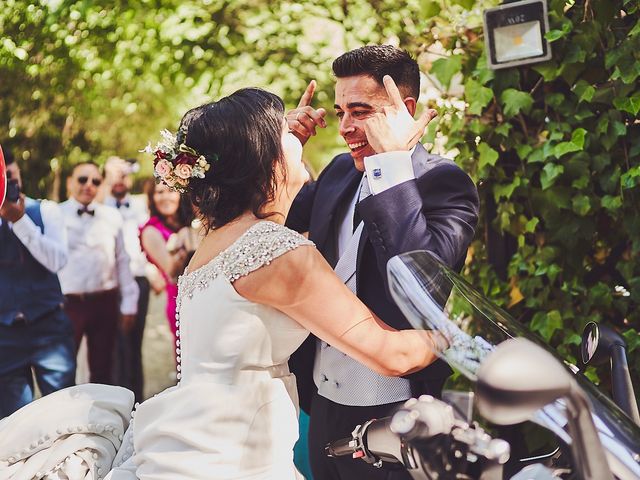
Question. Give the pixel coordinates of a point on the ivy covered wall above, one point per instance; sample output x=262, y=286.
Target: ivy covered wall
x=555, y=149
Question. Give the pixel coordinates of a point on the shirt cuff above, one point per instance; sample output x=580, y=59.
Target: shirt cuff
x=386, y=170
x=25, y=229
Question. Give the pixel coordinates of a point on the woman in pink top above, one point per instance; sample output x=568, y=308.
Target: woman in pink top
x=169, y=214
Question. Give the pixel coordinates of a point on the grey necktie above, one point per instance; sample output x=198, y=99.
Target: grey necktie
x=364, y=193
x=346, y=266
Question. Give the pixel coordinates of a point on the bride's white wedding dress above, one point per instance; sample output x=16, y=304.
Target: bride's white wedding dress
x=233, y=414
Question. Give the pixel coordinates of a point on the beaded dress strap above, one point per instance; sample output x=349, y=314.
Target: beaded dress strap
x=258, y=246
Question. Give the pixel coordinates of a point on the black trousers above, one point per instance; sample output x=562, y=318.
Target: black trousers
x=128, y=370
x=330, y=421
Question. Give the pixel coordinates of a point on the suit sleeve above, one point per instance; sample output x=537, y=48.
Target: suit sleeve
x=299, y=217
x=437, y=212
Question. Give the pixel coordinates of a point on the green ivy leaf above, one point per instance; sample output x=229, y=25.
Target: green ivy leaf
x=631, y=178
x=476, y=96
x=546, y=323
x=611, y=203
x=445, y=68
x=506, y=190
x=553, y=35
x=536, y=156
x=576, y=143
x=549, y=174
x=488, y=156
x=581, y=205
x=530, y=226
x=628, y=104
x=523, y=150
x=574, y=339
x=584, y=91
x=515, y=101
x=503, y=129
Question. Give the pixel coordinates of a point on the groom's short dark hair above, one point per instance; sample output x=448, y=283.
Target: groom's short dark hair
x=377, y=61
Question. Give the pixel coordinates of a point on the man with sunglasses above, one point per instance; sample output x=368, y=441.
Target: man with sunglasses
x=99, y=288
x=35, y=334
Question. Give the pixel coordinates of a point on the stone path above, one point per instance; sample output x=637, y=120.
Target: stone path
x=157, y=349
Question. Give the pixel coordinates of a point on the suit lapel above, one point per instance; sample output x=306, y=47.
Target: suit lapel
x=333, y=197
x=419, y=158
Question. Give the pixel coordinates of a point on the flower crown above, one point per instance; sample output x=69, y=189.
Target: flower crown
x=176, y=164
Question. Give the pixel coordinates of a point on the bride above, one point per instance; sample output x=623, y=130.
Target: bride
x=249, y=297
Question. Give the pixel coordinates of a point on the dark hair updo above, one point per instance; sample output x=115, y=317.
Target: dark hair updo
x=244, y=132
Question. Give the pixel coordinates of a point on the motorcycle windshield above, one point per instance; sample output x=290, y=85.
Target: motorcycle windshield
x=433, y=297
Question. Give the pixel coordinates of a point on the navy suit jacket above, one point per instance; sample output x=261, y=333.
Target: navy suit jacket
x=436, y=211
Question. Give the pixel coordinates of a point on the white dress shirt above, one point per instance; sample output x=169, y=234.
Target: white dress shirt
x=97, y=257
x=48, y=248
x=134, y=213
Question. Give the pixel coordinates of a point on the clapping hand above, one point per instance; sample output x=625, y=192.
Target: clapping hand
x=304, y=119
x=394, y=129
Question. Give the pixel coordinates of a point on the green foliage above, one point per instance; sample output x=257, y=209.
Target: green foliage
x=556, y=148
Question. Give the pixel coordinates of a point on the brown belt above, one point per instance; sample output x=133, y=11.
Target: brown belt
x=83, y=297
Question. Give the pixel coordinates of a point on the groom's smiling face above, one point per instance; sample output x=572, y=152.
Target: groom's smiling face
x=356, y=99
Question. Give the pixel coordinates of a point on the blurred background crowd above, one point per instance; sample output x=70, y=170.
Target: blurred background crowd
x=78, y=278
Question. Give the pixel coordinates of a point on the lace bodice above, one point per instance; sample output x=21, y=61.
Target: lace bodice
x=257, y=247
x=222, y=333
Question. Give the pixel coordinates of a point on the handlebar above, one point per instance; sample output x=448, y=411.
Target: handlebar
x=341, y=447
x=410, y=433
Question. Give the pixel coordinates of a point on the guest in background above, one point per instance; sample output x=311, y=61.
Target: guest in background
x=165, y=240
x=128, y=370
x=99, y=288
x=35, y=333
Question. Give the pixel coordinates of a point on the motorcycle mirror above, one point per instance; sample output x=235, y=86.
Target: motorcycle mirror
x=516, y=380
x=3, y=178
x=598, y=342
x=602, y=344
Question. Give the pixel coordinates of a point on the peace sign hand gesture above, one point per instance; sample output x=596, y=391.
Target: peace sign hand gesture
x=394, y=129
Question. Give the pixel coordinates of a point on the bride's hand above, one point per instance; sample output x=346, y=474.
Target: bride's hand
x=394, y=129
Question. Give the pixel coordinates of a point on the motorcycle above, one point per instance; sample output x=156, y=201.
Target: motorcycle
x=516, y=380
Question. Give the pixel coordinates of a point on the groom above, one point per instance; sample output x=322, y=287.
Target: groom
x=367, y=206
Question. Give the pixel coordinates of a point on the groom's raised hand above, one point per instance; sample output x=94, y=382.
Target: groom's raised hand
x=394, y=128
x=304, y=119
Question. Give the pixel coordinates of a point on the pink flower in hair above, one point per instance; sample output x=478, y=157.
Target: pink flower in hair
x=163, y=168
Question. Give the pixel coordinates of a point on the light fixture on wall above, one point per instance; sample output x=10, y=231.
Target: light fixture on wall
x=514, y=33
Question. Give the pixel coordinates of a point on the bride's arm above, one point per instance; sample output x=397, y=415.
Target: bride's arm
x=301, y=284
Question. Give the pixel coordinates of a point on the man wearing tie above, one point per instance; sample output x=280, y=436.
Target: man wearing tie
x=99, y=289
x=385, y=197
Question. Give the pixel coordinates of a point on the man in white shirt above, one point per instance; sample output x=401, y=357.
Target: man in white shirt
x=99, y=288
x=135, y=213
x=386, y=196
x=35, y=333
